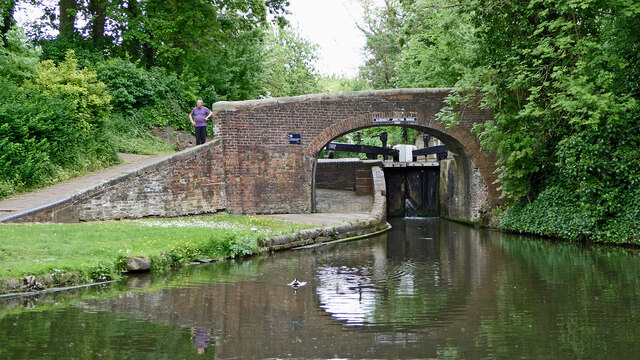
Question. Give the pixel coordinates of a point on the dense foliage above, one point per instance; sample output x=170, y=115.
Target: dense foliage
x=52, y=126
x=561, y=78
x=290, y=64
x=133, y=66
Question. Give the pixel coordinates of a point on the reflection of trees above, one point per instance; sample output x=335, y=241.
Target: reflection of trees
x=560, y=301
x=433, y=289
x=73, y=333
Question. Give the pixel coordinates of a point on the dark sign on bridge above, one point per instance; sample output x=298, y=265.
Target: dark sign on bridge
x=294, y=139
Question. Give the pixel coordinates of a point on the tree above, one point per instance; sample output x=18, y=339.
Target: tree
x=381, y=28
x=216, y=43
x=290, y=63
x=438, y=45
x=67, y=18
x=98, y=10
x=556, y=76
x=419, y=43
x=7, y=8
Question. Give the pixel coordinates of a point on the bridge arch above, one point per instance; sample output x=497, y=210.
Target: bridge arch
x=266, y=173
x=363, y=121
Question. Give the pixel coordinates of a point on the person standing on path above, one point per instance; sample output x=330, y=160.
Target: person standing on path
x=201, y=115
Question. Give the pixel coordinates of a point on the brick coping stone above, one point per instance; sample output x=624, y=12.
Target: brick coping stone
x=239, y=105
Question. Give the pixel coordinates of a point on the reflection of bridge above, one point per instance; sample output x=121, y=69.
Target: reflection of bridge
x=265, y=156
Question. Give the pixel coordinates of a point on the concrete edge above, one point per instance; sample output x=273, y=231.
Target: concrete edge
x=339, y=241
x=239, y=105
x=109, y=181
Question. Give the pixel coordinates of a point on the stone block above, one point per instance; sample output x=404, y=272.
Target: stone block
x=138, y=264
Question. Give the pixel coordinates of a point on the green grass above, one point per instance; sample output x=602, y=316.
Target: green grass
x=129, y=134
x=142, y=143
x=61, y=254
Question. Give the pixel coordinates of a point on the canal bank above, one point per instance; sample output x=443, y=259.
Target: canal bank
x=365, y=215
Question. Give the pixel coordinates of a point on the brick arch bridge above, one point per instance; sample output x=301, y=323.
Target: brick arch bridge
x=265, y=173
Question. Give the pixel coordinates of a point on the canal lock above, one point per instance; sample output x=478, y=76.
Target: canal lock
x=412, y=191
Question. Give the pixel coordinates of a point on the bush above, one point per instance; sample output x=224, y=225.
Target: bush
x=147, y=97
x=130, y=87
x=18, y=59
x=559, y=212
x=52, y=126
x=231, y=245
x=56, y=49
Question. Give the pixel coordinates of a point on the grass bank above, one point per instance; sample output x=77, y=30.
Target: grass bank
x=71, y=254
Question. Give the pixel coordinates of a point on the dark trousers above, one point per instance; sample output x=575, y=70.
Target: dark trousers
x=201, y=135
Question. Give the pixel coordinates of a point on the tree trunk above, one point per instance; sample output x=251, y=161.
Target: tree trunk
x=148, y=52
x=99, y=15
x=68, y=10
x=133, y=43
x=7, y=7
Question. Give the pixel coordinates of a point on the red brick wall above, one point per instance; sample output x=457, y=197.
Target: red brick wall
x=348, y=174
x=266, y=174
x=188, y=182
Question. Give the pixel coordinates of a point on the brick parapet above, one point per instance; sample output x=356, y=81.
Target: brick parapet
x=188, y=182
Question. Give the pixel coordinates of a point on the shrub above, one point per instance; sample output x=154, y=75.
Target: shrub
x=130, y=86
x=559, y=212
x=52, y=126
x=147, y=97
x=18, y=59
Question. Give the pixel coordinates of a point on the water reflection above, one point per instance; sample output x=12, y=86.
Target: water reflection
x=428, y=288
x=346, y=293
x=427, y=273
x=201, y=339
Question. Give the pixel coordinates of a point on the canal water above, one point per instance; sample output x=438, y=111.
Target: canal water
x=429, y=288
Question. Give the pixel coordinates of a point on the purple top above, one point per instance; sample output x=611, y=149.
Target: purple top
x=199, y=115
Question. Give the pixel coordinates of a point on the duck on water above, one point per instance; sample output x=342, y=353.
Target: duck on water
x=296, y=284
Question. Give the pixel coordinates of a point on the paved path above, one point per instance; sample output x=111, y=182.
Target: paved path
x=61, y=191
x=335, y=206
x=322, y=219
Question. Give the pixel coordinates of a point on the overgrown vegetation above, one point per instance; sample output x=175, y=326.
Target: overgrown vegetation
x=561, y=80
x=73, y=93
x=66, y=254
x=52, y=124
